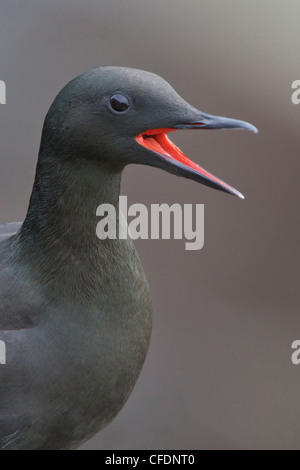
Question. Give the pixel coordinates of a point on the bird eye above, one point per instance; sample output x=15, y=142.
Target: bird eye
x=119, y=103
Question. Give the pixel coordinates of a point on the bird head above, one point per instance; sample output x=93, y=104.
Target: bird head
x=118, y=115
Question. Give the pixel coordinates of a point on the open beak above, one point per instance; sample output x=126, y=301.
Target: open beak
x=175, y=161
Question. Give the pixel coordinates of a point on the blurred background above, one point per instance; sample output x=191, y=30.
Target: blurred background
x=219, y=373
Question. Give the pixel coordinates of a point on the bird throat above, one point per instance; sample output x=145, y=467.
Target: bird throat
x=59, y=232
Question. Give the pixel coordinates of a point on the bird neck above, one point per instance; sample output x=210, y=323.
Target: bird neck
x=58, y=236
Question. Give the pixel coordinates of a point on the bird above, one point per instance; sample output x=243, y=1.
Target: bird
x=75, y=311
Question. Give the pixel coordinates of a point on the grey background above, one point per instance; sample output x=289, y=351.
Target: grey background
x=219, y=371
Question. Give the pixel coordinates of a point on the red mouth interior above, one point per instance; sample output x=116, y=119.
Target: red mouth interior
x=158, y=141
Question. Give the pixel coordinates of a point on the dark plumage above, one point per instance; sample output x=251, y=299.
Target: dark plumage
x=75, y=312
